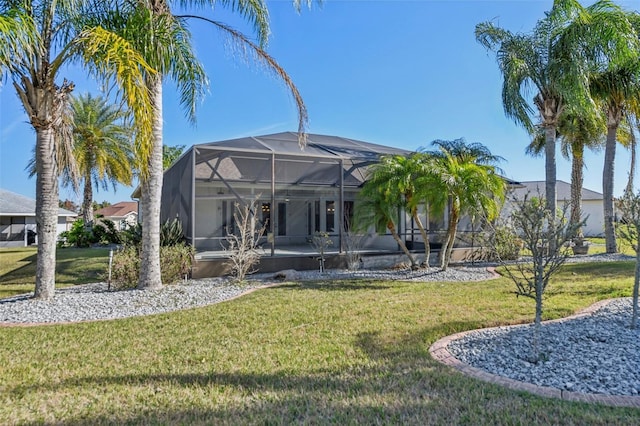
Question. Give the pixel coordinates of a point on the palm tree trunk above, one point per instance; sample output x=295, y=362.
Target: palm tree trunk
x=425, y=237
x=46, y=213
x=150, y=198
x=632, y=167
x=394, y=233
x=87, y=201
x=550, y=168
x=577, y=179
x=447, y=247
x=607, y=188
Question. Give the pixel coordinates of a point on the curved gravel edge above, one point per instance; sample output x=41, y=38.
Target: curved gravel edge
x=440, y=352
x=94, y=302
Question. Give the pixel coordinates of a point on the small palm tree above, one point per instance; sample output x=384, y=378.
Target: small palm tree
x=406, y=176
x=379, y=206
x=468, y=176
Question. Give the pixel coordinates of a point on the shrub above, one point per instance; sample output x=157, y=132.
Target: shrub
x=105, y=232
x=506, y=244
x=77, y=236
x=171, y=233
x=132, y=236
x=175, y=264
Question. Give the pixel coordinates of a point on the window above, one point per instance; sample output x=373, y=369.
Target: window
x=331, y=211
x=282, y=218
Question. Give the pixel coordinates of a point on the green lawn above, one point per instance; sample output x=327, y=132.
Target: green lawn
x=73, y=266
x=302, y=353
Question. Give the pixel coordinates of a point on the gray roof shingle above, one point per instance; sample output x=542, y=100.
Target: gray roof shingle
x=12, y=204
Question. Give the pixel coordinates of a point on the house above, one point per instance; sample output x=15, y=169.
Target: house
x=592, y=210
x=18, y=220
x=123, y=214
x=297, y=192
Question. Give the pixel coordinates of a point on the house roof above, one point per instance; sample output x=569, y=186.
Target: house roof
x=286, y=143
x=563, y=190
x=120, y=209
x=12, y=204
x=248, y=160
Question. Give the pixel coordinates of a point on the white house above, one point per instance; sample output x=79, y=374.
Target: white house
x=123, y=214
x=18, y=220
x=592, y=209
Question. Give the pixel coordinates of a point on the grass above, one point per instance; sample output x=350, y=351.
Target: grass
x=349, y=352
x=73, y=266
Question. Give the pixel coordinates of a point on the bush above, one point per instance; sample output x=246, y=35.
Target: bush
x=102, y=232
x=171, y=233
x=132, y=236
x=506, y=243
x=105, y=232
x=77, y=236
x=175, y=264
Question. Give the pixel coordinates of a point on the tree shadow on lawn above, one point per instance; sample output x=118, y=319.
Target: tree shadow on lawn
x=401, y=384
x=26, y=269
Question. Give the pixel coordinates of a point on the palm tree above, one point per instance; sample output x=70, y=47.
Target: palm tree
x=165, y=41
x=102, y=147
x=37, y=39
x=468, y=174
x=617, y=90
x=551, y=63
x=101, y=151
x=379, y=206
x=406, y=176
x=576, y=132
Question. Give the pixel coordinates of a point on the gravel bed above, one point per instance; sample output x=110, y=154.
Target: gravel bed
x=596, y=353
x=95, y=302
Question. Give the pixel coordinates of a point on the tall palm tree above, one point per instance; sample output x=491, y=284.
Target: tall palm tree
x=576, y=131
x=379, y=206
x=468, y=174
x=406, y=176
x=102, y=147
x=37, y=39
x=617, y=90
x=552, y=63
x=165, y=41
x=101, y=152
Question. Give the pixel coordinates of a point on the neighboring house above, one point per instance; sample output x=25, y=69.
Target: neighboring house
x=592, y=209
x=18, y=220
x=123, y=214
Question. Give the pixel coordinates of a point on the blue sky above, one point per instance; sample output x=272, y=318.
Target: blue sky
x=397, y=73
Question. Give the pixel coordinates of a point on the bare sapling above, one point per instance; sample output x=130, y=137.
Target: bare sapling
x=546, y=237
x=629, y=232
x=320, y=242
x=353, y=243
x=242, y=246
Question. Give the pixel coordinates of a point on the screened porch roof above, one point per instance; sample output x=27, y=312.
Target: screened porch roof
x=317, y=163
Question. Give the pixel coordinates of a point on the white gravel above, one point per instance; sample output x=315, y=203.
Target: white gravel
x=598, y=353
x=95, y=302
